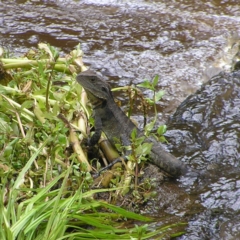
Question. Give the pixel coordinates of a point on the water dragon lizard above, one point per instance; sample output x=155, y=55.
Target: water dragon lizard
x=110, y=119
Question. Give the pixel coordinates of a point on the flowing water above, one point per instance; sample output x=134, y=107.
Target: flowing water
x=185, y=42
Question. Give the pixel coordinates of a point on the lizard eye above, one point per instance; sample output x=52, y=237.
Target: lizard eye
x=92, y=79
x=104, y=89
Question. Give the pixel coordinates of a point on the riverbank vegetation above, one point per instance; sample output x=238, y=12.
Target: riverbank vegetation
x=47, y=190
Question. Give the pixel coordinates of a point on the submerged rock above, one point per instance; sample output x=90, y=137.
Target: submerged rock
x=204, y=132
x=205, y=129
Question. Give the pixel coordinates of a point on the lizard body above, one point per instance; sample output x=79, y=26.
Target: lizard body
x=110, y=119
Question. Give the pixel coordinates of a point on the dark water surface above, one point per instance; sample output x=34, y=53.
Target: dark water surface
x=185, y=42
x=132, y=40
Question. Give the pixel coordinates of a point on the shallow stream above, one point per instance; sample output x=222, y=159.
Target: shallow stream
x=185, y=42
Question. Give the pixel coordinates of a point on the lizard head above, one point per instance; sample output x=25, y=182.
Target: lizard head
x=94, y=85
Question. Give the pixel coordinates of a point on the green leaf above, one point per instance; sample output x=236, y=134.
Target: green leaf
x=118, y=147
x=139, y=140
x=58, y=95
x=54, y=51
x=146, y=84
x=125, y=213
x=162, y=139
x=4, y=126
x=150, y=101
x=147, y=147
x=56, y=109
x=144, y=149
x=162, y=129
x=38, y=113
x=27, y=104
x=159, y=95
x=8, y=151
x=155, y=81
x=134, y=134
x=149, y=126
x=62, y=139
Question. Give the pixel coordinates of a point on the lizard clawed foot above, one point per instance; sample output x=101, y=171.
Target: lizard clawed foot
x=108, y=166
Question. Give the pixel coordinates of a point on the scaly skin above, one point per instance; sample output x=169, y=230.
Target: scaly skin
x=110, y=119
